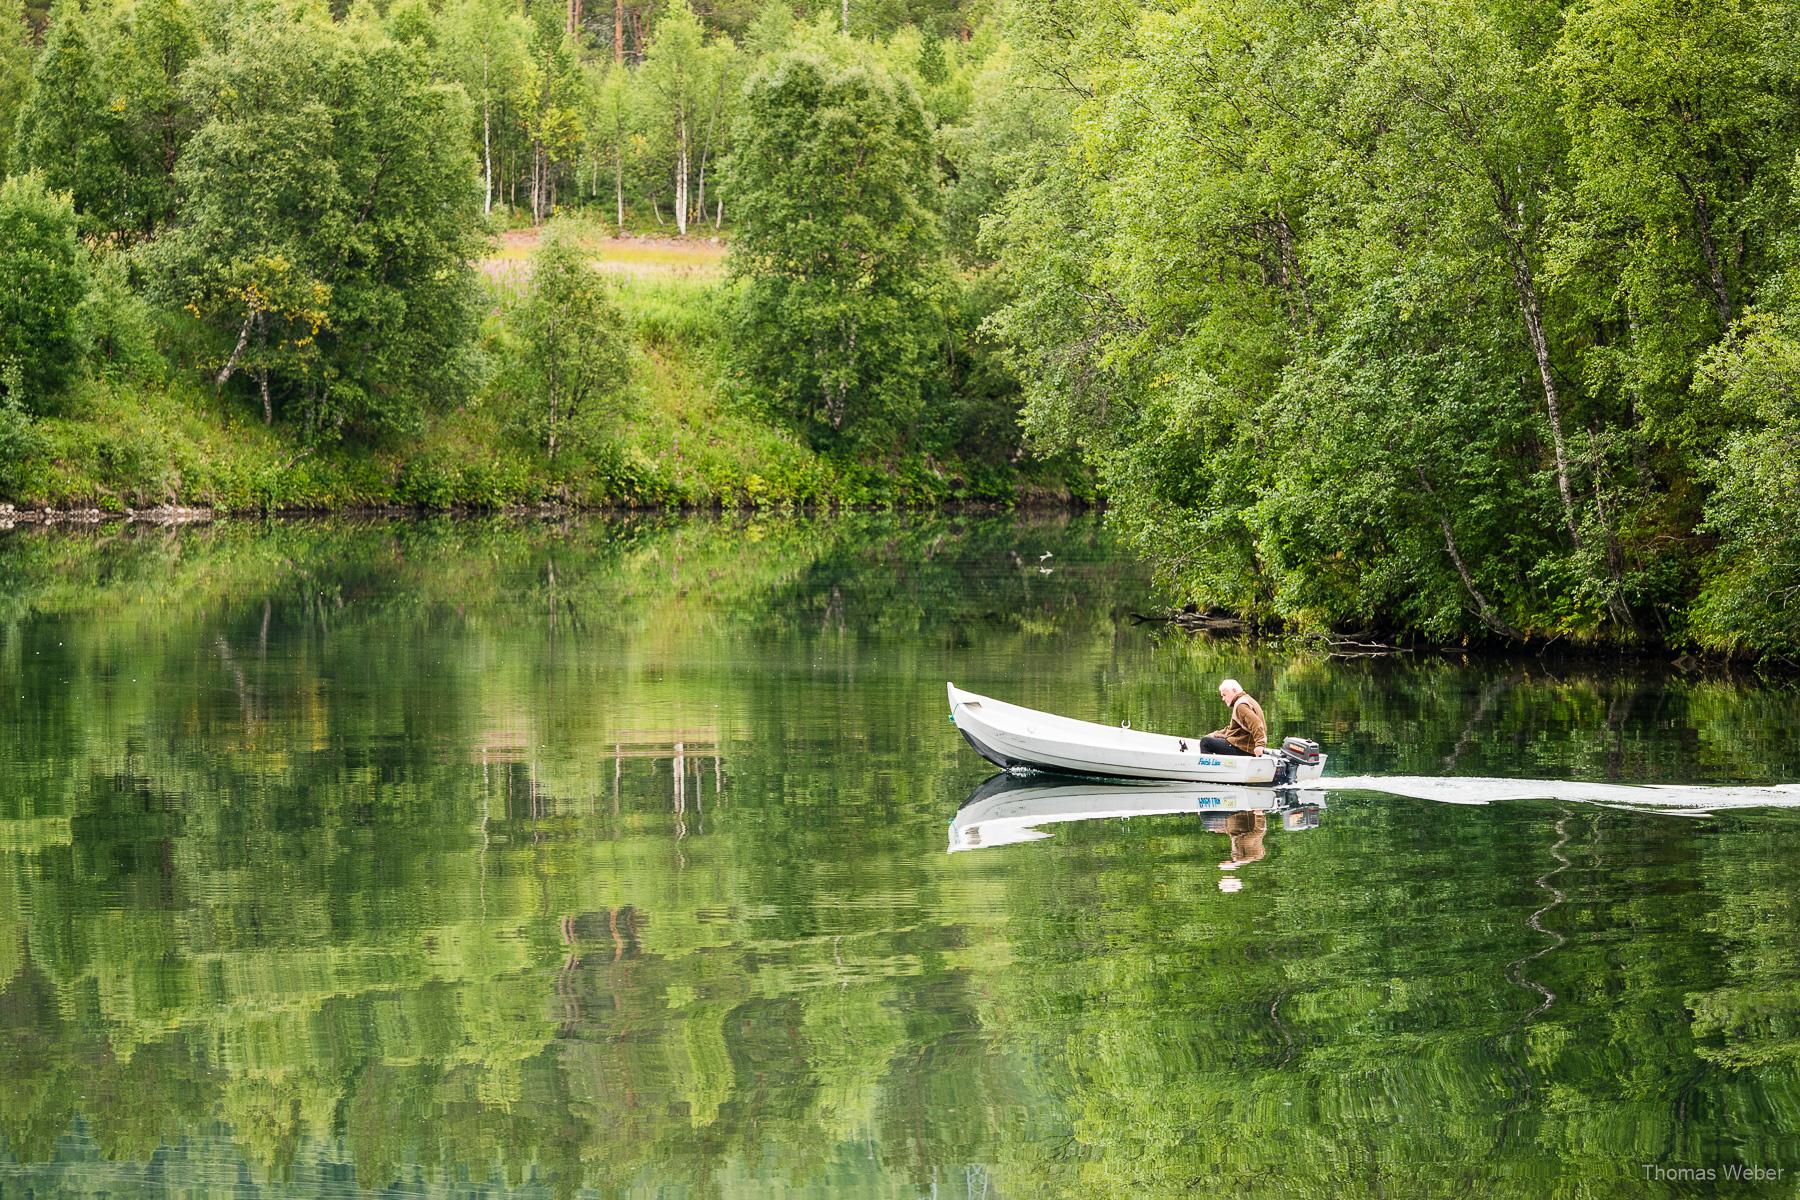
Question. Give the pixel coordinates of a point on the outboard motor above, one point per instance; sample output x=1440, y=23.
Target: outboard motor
x=1296, y=753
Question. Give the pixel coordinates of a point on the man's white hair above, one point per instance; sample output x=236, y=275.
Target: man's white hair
x=1230, y=685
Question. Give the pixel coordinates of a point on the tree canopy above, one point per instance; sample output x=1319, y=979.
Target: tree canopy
x=1400, y=317
x=836, y=245
x=326, y=230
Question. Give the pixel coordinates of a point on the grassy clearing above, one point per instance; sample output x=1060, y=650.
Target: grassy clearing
x=508, y=263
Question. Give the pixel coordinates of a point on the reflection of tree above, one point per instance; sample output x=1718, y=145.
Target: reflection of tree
x=348, y=850
x=417, y=897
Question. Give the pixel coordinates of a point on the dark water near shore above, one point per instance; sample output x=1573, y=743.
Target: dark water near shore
x=497, y=858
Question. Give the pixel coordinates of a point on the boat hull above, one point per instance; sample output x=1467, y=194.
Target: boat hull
x=1023, y=739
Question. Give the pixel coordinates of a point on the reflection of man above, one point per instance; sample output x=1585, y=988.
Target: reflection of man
x=1246, y=830
x=1247, y=733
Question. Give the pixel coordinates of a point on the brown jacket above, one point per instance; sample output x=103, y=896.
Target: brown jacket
x=1248, y=730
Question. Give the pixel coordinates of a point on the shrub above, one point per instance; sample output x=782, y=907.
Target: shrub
x=20, y=442
x=43, y=278
x=117, y=329
x=571, y=337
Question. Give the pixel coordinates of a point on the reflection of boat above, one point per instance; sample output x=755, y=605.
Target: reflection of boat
x=1007, y=809
x=1015, y=738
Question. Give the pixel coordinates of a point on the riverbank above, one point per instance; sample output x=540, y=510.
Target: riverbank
x=137, y=441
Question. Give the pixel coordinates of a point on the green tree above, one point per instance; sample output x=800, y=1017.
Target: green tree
x=107, y=118
x=15, y=72
x=674, y=77
x=481, y=44
x=1254, y=181
x=933, y=65
x=150, y=50
x=549, y=99
x=328, y=223
x=1749, y=599
x=610, y=124
x=67, y=129
x=838, y=249
x=572, y=336
x=1682, y=131
x=43, y=277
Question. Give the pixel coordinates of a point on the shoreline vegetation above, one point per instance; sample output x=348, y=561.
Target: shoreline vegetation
x=676, y=441
x=125, y=534
x=285, y=255
x=1476, y=323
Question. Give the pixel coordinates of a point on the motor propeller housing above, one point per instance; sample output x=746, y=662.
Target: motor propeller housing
x=1300, y=750
x=1296, y=753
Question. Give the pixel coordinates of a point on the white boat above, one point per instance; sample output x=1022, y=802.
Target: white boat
x=1023, y=739
x=1006, y=810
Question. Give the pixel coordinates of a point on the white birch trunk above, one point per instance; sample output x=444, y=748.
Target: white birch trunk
x=537, y=204
x=681, y=178
x=487, y=147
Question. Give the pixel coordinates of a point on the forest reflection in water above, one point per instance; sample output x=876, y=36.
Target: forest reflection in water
x=610, y=856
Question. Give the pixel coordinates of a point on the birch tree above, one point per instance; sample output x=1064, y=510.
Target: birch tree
x=723, y=69
x=327, y=225
x=675, y=79
x=838, y=248
x=1682, y=131
x=482, y=46
x=550, y=100
x=610, y=125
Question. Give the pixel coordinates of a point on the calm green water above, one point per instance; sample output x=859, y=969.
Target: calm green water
x=504, y=858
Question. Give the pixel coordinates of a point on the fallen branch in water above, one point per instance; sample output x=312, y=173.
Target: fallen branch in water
x=1193, y=621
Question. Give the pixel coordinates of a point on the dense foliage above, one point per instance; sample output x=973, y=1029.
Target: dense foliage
x=1466, y=322
x=327, y=223
x=43, y=277
x=837, y=246
x=284, y=205
x=1461, y=320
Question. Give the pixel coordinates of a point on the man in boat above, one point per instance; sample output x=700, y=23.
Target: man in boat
x=1248, y=732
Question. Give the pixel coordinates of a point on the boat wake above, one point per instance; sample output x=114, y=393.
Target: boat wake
x=1686, y=799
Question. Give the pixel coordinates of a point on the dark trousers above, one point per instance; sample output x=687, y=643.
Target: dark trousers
x=1218, y=745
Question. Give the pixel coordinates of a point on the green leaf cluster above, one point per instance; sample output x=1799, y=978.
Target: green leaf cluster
x=837, y=248
x=43, y=280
